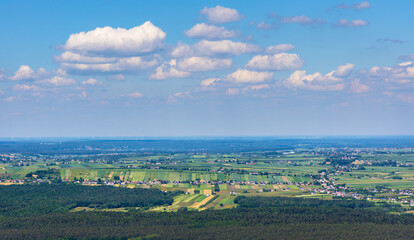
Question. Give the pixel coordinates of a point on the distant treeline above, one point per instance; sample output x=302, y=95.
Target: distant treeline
x=222, y=145
x=254, y=218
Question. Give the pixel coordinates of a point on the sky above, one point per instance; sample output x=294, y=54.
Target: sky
x=206, y=68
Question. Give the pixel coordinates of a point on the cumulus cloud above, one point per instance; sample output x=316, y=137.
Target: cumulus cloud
x=316, y=81
x=332, y=81
x=232, y=91
x=257, y=87
x=79, y=58
x=358, y=87
x=92, y=82
x=266, y=26
x=303, y=20
x=357, y=6
x=135, y=95
x=2, y=74
x=219, y=14
x=195, y=64
x=211, y=48
x=26, y=87
x=280, y=61
x=60, y=72
x=128, y=64
x=182, y=50
x=209, y=82
x=247, y=76
x=117, y=41
x=58, y=81
x=173, y=98
x=343, y=70
x=353, y=23
x=27, y=73
x=401, y=73
x=169, y=70
x=112, y=50
x=279, y=48
x=203, y=30
x=208, y=48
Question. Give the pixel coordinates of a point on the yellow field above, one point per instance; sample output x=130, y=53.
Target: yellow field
x=197, y=205
x=8, y=183
x=207, y=191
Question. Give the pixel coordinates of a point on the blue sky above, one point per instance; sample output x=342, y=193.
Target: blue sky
x=206, y=68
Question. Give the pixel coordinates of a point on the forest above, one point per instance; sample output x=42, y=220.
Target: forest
x=29, y=212
x=34, y=199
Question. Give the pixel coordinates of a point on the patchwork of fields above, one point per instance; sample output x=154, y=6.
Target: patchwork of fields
x=171, y=176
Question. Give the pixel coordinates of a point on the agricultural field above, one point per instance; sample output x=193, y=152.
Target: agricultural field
x=211, y=180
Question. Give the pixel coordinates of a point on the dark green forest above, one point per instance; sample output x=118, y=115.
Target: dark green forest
x=34, y=199
x=42, y=212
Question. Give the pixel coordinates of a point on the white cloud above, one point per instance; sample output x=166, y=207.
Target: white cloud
x=79, y=58
x=135, y=95
x=279, y=48
x=117, y=41
x=362, y=5
x=280, y=61
x=247, y=76
x=2, y=74
x=208, y=48
x=60, y=72
x=169, y=70
x=266, y=26
x=219, y=14
x=333, y=81
x=26, y=87
x=358, y=87
x=401, y=73
x=182, y=50
x=343, y=70
x=203, y=30
x=173, y=98
x=357, y=6
x=26, y=73
x=129, y=64
x=257, y=87
x=92, y=82
x=209, y=82
x=353, y=23
x=212, y=48
x=194, y=64
x=303, y=20
x=10, y=99
x=58, y=81
x=232, y=91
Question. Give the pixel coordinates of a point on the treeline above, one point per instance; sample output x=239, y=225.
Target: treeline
x=254, y=218
x=35, y=199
